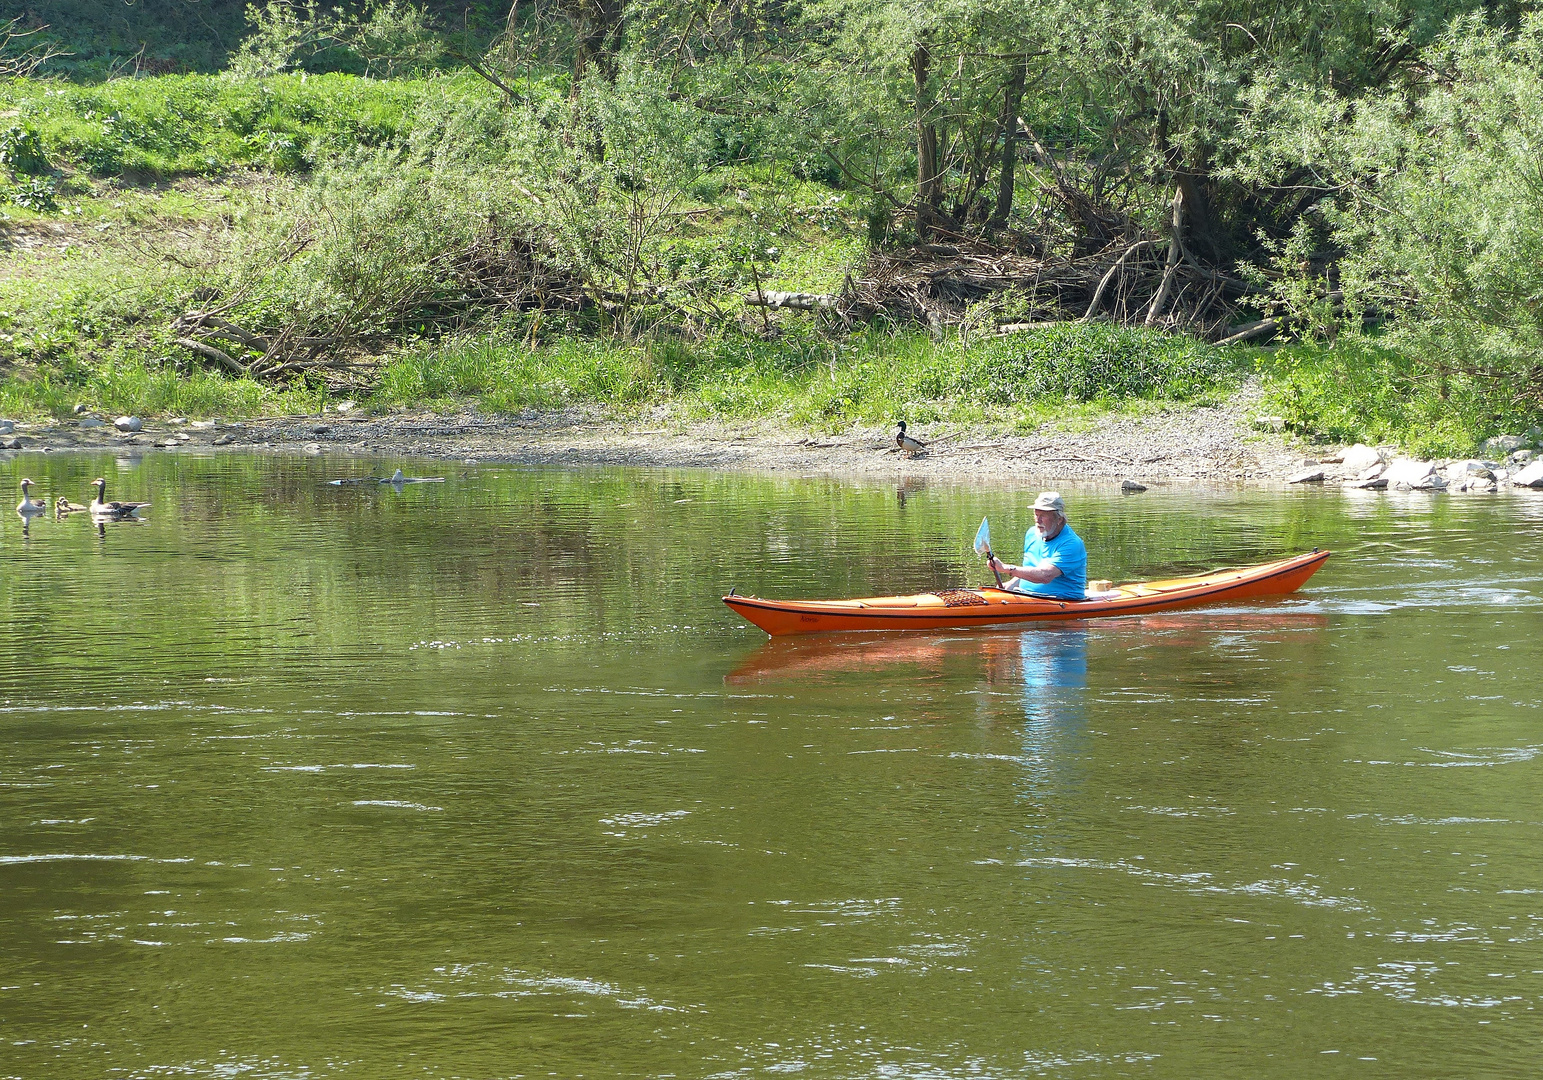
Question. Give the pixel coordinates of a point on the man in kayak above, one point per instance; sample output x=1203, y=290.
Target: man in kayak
x=1055, y=560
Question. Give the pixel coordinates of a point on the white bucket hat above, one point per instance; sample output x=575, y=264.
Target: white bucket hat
x=1050, y=500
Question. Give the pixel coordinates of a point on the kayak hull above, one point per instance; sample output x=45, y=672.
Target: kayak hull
x=952, y=609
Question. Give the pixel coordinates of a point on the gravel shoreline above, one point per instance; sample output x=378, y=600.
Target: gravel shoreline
x=1212, y=444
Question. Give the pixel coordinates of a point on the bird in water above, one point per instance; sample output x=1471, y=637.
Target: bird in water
x=63, y=506
x=112, y=511
x=911, y=445
x=29, y=507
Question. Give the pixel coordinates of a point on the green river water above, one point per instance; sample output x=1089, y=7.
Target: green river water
x=480, y=779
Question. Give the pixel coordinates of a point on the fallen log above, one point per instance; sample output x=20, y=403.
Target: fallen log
x=1251, y=331
x=209, y=352
x=794, y=300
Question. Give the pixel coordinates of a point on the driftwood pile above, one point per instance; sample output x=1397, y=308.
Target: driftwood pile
x=1134, y=283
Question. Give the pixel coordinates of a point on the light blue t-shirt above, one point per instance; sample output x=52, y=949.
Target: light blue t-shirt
x=1067, y=553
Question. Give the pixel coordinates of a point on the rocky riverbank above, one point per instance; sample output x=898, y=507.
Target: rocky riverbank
x=1225, y=443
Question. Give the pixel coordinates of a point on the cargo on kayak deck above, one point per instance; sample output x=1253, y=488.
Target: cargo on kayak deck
x=949, y=609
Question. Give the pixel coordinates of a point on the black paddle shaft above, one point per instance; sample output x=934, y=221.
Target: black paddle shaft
x=989, y=558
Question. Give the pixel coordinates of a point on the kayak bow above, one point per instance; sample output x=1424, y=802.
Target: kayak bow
x=962, y=608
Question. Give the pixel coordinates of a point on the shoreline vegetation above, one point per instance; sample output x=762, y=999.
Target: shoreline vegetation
x=820, y=220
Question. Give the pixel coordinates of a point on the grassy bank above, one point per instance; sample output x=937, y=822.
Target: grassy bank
x=390, y=211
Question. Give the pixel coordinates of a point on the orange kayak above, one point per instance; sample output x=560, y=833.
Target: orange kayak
x=950, y=609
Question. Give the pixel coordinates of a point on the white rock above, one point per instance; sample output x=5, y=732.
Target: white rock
x=1531, y=476
x=346, y=407
x=1371, y=483
x=1360, y=457
x=313, y=448
x=1413, y=475
x=176, y=421
x=203, y=425
x=128, y=423
x=1462, y=470
x=1372, y=473
x=92, y=422
x=1306, y=476
x=1503, y=444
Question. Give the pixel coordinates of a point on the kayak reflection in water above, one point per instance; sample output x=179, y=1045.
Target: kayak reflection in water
x=1055, y=560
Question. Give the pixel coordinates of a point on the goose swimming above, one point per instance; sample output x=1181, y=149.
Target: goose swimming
x=29, y=507
x=113, y=511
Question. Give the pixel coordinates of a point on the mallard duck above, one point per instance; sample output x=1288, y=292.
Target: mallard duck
x=911, y=445
x=114, y=511
x=29, y=507
x=63, y=506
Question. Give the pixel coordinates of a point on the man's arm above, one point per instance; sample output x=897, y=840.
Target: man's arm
x=1039, y=575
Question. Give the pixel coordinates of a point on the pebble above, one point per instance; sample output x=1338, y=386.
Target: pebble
x=7, y=427
x=10, y=444
x=128, y=423
x=90, y=422
x=225, y=440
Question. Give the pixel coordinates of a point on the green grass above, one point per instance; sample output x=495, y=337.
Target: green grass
x=873, y=378
x=182, y=125
x=1362, y=390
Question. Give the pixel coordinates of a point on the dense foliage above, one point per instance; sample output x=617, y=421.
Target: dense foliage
x=630, y=169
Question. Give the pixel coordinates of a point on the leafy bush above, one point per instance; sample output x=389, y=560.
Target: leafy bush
x=21, y=150
x=36, y=193
x=1360, y=390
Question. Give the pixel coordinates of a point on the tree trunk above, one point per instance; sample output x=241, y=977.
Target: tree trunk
x=928, y=192
x=1011, y=100
x=1175, y=250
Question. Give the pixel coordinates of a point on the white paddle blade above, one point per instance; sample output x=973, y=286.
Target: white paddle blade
x=983, y=537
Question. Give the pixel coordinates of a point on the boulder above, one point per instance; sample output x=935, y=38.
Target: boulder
x=1407, y=474
x=7, y=427
x=128, y=423
x=1306, y=476
x=1465, y=469
x=1531, y=476
x=1372, y=473
x=1360, y=457
x=1367, y=483
x=1503, y=444
x=10, y=444
x=1521, y=457
x=1131, y=487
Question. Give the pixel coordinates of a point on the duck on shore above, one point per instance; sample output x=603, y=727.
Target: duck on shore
x=29, y=507
x=908, y=443
x=112, y=511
